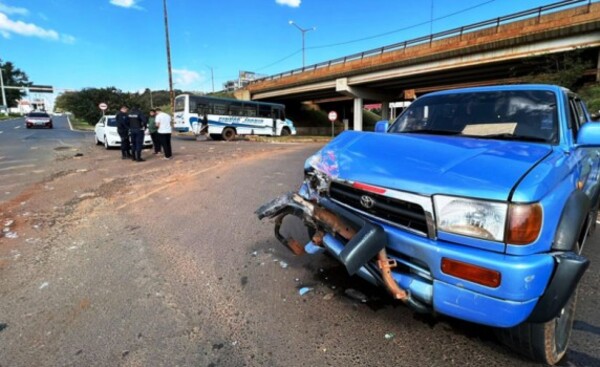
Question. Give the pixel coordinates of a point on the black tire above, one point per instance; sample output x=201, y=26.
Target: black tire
x=215, y=136
x=285, y=131
x=546, y=342
x=228, y=134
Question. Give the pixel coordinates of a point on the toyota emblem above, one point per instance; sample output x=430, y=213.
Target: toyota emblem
x=367, y=201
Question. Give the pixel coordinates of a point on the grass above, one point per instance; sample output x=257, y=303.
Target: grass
x=9, y=117
x=79, y=124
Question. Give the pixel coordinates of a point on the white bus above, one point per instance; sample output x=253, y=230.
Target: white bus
x=225, y=118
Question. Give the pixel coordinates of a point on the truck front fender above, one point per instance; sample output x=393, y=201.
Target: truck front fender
x=572, y=220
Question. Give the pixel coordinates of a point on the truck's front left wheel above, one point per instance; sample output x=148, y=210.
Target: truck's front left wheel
x=546, y=342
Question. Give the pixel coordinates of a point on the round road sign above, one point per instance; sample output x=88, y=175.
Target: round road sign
x=103, y=106
x=332, y=116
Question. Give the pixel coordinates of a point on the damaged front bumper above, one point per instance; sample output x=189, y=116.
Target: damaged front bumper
x=354, y=241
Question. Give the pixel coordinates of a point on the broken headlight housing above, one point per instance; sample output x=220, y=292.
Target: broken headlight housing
x=470, y=217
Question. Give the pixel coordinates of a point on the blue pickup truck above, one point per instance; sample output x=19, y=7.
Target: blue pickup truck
x=475, y=203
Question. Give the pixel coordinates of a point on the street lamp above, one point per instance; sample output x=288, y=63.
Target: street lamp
x=3, y=94
x=303, y=30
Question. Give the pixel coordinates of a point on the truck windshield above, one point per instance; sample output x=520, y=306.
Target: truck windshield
x=506, y=115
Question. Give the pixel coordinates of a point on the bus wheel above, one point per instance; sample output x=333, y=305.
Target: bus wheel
x=228, y=134
x=285, y=131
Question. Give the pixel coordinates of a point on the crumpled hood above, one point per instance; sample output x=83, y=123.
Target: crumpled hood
x=430, y=164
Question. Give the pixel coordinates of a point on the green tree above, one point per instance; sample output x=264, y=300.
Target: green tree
x=13, y=77
x=564, y=69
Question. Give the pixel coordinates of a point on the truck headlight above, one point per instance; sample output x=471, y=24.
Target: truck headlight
x=469, y=217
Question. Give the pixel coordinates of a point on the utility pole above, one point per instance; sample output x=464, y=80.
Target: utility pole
x=171, y=93
x=304, y=31
x=212, y=78
x=3, y=94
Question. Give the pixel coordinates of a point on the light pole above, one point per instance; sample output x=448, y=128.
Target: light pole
x=212, y=77
x=3, y=94
x=171, y=93
x=303, y=31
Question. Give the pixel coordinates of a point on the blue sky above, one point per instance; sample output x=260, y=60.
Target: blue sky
x=98, y=43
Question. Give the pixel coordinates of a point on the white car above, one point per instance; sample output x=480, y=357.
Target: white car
x=106, y=133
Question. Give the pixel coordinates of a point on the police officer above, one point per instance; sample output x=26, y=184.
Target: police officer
x=137, y=125
x=123, y=130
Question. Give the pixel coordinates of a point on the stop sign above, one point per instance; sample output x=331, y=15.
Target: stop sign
x=103, y=106
x=332, y=116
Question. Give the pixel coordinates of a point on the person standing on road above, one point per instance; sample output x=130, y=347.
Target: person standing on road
x=137, y=125
x=123, y=130
x=163, y=123
x=154, y=131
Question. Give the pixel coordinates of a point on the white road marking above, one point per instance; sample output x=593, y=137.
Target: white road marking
x=17, y=167
x=17, y=127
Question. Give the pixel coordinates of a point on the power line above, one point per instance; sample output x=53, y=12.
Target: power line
x=404, y=28
x=280, y=60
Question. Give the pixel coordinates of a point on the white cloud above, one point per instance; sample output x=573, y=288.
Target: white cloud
x=9, y=27
x=7, y=9
x=129, y=4
x=186, y=78
x=290, y=3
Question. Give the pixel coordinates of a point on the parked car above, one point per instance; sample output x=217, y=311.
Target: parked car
x=106, y=133
x=38, y=119
x=475, y=203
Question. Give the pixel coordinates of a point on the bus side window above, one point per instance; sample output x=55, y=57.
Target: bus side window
x=193, y=105
x=249, y=110
x=235, y=109
x=264, y=111
x=221, y=109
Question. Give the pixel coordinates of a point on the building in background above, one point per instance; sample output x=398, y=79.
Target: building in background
x=245, y=78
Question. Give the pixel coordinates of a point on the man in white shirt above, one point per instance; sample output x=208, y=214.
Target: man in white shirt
x=163, y=124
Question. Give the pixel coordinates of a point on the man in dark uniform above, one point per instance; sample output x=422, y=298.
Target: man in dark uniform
x=123, y=130
x=137, y=125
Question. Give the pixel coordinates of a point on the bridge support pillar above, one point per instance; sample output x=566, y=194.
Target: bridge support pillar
x=385, y=110
x=358, y=114
x=360, y=94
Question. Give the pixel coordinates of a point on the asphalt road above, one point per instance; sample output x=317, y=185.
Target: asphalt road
x=163, y=263
x=25, y=153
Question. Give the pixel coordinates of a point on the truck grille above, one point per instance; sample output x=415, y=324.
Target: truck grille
x=395, y=211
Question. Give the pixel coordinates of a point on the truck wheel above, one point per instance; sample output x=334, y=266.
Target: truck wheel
x=228, y=134
x=285, y=131
x=545, y=343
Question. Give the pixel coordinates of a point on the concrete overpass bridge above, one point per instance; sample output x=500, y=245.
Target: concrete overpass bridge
x=500, y=50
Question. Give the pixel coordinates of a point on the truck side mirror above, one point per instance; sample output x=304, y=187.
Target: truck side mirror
x=589, y=135
x=382, y=126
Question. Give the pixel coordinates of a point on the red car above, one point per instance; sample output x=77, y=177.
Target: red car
x=38, y=119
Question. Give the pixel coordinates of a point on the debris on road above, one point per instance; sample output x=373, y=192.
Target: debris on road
x=11, y=235
x=304, y=290
x=328, y=296
x=44, y=285
x=389, y=336
x=283, y=264
x=356, y=295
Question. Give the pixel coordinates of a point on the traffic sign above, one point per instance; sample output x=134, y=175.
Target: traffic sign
x=103, y=106
x=332, y=116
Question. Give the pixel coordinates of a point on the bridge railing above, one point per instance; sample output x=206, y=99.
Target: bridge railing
x=486, y=24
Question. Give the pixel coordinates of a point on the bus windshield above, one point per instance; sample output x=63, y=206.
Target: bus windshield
x=180, y=104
